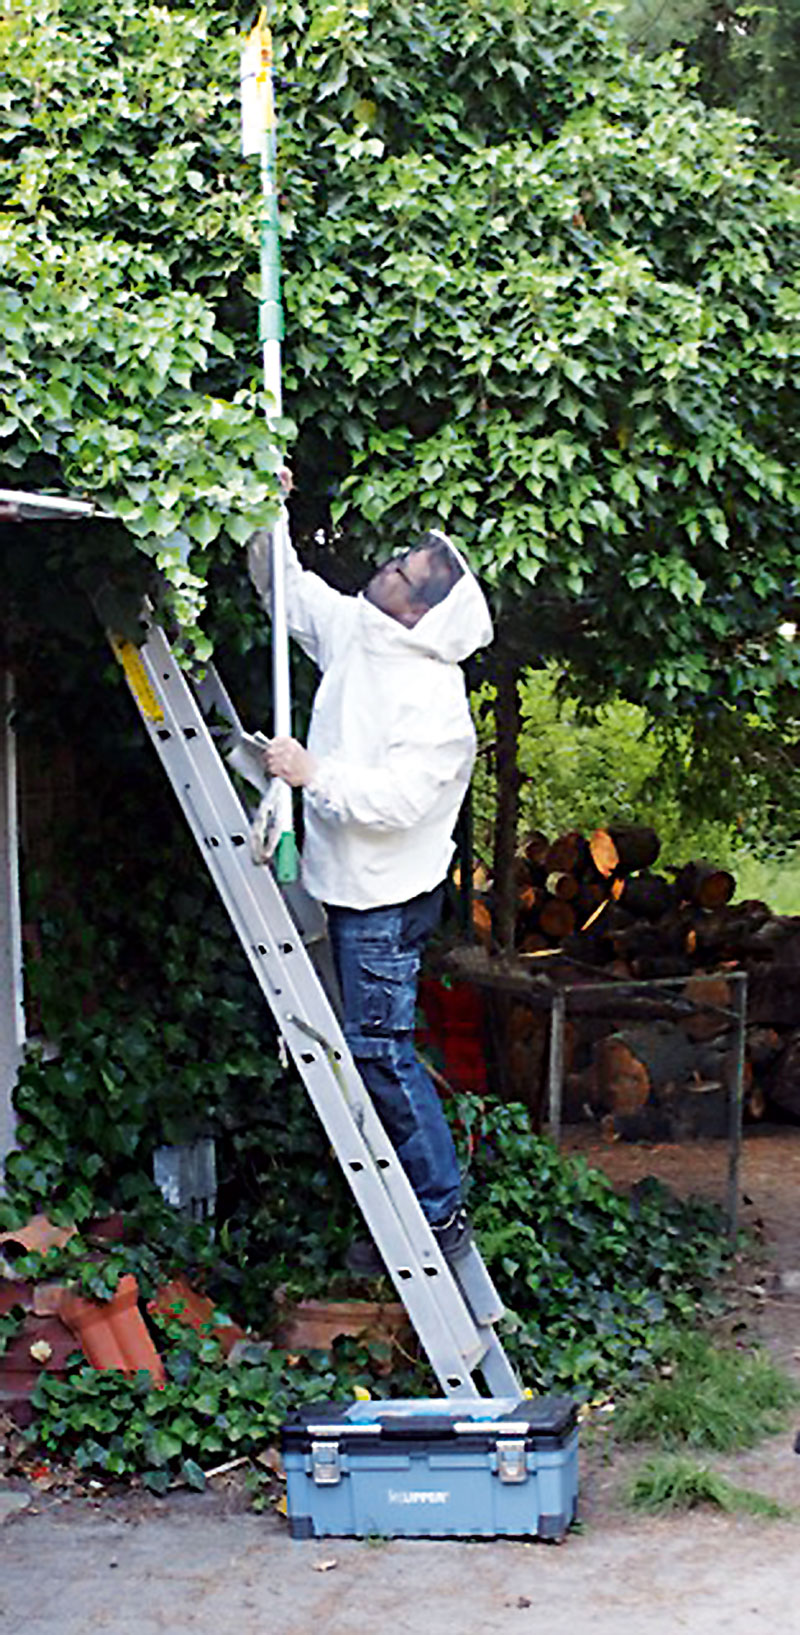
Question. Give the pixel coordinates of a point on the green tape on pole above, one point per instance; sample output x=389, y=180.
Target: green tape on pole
x=269, y=213
x=270, y=321
x=270, y=281
x=286, y=860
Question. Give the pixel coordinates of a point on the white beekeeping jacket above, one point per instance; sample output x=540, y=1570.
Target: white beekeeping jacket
x=391, y=733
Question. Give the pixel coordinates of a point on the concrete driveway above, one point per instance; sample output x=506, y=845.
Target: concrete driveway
x=186, y=1566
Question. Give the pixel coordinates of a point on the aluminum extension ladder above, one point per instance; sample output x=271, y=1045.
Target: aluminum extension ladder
x=453, y=1309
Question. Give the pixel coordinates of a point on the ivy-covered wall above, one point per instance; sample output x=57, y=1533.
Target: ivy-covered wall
x=12, y=1018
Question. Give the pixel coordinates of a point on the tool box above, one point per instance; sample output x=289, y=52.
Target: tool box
x=432, y=1467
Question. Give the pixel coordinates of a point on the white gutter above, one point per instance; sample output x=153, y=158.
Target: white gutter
x=18, y=506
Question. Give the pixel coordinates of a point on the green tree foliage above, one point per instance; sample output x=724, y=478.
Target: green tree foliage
x=733, y=795
x=535, y=290
x=581, y=770
x=128, y=229
x=747, y=56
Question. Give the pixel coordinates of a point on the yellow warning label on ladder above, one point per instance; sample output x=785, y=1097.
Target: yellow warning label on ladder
x=136, y=677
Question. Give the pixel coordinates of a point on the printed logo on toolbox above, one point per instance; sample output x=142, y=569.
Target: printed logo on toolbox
x=424, y=1496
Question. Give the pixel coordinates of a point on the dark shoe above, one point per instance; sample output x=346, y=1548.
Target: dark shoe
x=454, y=1236
x=363, y=1259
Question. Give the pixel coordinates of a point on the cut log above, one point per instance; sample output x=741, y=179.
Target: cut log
x=623, y=848
x=688, y=1085
x=556, y=918
x=536, y=847
x=580, y=1095
x=590, y=947
x=763, y=1045
x=529, y=898
x=621, y=1080
x=740, y=929
x=591, y=894
x=644, y=941
x=569, y=854
x=647, y=896
x=631, y=1064
x=705, y=885
x=526, y=1056
x=710, y=994
x=777, y=939
x=719, y=931
x=523, y=874
x=715, y=1062
x=526, y=922
x=565, y=886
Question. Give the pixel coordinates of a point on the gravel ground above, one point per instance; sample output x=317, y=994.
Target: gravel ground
x=205, y=1564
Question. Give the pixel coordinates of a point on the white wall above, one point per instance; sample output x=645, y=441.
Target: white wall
x=12, y=1014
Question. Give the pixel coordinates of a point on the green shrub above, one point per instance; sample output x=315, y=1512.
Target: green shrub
x=707, y=1397
x=588, y=1276
x=672, y=1482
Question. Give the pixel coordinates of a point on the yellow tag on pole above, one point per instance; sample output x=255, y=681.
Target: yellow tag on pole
x=137, y=678
x=256, y=86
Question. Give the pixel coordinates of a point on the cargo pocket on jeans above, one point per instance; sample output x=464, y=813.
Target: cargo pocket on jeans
x=387, y=986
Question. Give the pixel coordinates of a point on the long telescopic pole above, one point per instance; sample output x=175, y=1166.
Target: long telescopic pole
x=259, y=136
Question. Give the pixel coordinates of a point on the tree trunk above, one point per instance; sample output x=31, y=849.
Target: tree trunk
x=507, y=727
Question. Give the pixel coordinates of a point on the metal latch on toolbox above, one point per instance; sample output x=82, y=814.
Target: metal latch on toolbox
x=511, y=1466
x=326, y=1464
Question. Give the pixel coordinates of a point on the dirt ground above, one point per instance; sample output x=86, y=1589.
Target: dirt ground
x=768, y=1209
x=205, y=1564
x=762, y=1296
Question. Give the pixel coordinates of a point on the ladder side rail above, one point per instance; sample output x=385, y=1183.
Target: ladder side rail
x=358, y=1137
x=498, y=1372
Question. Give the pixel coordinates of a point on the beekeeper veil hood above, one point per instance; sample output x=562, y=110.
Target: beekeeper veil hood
x=451, y=619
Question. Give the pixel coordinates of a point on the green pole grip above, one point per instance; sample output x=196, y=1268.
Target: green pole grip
x=286, y=860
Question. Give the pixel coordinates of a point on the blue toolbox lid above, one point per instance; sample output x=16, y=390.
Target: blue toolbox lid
x=471, y=1422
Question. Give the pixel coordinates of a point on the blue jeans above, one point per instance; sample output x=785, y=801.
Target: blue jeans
x=377, y=953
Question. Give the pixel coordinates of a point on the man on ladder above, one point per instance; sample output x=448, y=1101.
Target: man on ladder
x=390, y=753
x=389, y=759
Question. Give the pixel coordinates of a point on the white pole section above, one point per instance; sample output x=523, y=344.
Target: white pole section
x=259, y=136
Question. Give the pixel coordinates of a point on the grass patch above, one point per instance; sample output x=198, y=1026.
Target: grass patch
x=709, y=1397
x=670, y=1482
x=776, y=883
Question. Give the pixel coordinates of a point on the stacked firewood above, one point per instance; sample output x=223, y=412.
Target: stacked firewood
x=655, y=1063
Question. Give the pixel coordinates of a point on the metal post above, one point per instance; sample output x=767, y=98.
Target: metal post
x=558, y=1010
x=736, y=1100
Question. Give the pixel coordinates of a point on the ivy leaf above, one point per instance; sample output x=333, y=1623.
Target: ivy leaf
x=193, y=1475
x=157, y=1481
x=202, y=526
